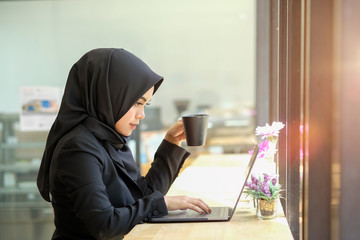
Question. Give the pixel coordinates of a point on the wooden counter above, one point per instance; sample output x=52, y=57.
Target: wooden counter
x=217, y=179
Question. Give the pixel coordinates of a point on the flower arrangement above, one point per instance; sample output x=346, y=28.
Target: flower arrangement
x=265, y=190
x=269, y=136
x=264, y=187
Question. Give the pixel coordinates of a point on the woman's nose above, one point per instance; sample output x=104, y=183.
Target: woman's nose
x=141, y=114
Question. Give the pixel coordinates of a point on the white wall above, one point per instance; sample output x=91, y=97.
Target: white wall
x=205, y=49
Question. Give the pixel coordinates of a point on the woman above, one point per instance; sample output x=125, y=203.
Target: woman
x=88, y=171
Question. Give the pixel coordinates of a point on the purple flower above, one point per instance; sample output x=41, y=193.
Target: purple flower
x=254, y=179
x=265, y=188
x=251, y=185
x=266, y=177
x=274, y=180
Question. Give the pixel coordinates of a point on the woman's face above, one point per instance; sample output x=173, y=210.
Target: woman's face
x=132, y=118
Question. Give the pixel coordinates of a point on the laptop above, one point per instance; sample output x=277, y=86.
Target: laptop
x=217, y=213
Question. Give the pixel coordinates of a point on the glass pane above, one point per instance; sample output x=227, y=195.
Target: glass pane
x=204, y=49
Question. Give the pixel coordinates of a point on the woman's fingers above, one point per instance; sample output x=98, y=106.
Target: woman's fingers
x=184, y=202
x=176, y=133
x=198, y=205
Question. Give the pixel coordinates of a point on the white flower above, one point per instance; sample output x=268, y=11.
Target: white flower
x=268, y=130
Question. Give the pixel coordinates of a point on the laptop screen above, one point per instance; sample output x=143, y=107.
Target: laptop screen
x=246, y=175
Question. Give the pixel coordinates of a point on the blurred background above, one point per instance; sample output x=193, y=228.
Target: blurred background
x=205, y=50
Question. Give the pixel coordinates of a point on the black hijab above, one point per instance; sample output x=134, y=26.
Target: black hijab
x=101, y=87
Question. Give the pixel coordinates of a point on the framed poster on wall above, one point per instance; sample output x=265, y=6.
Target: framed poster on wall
x=39, y=107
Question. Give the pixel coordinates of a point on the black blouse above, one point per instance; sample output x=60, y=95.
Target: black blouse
x=96, y=193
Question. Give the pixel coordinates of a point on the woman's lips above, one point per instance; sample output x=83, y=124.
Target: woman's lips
x=133, y=126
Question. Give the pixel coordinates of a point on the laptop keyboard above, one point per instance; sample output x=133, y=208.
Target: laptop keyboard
x=215, y=212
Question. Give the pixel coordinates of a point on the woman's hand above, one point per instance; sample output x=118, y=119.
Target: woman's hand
x=176, y=133
x=184, y=202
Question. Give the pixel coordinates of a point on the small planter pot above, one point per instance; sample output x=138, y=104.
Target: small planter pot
x=265, y=209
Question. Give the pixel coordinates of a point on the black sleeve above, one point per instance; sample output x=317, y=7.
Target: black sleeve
x=167, y=163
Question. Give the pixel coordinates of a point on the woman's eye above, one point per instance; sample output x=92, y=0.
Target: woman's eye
x=141, y=104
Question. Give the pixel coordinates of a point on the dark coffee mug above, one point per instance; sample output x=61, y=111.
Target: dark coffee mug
x=195, y=126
